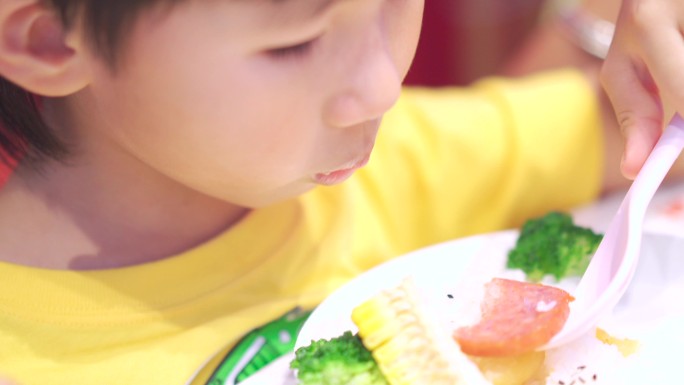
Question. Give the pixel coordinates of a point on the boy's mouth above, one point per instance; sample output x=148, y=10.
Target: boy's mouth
x=337, y=176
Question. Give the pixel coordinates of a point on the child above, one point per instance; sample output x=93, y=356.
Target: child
x=643, y=74
x=178, y=195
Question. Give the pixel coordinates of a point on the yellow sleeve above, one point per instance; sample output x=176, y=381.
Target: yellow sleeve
x=458, y=161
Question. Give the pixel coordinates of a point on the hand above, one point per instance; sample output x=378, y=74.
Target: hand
x=643, y=74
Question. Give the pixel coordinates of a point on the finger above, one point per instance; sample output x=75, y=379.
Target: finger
x=663, y=53
x=637, y=109
x=639, y=143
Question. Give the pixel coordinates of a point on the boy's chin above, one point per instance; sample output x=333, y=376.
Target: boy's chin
x=264, y=200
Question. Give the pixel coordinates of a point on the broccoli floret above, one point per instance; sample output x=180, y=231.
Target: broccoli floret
x=553, y=245
x=338, y=361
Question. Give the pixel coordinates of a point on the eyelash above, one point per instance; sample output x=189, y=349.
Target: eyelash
x=293, y=51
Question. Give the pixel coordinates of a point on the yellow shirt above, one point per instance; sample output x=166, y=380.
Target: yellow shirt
x=448, y=163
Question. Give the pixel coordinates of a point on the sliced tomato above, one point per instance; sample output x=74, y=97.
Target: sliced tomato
x=517, y=317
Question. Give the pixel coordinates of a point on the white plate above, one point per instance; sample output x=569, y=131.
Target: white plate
x=653, y=300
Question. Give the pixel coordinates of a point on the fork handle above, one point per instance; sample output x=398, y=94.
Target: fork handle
x=667, y=149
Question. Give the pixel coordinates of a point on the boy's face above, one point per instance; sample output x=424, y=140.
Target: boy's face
x=254, y=101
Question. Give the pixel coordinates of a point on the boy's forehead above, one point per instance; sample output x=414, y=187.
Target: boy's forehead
x=278, y=12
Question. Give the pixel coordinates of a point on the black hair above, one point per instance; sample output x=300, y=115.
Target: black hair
x=23, y=133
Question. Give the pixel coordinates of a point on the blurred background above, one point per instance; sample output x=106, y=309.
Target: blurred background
x=462, y=40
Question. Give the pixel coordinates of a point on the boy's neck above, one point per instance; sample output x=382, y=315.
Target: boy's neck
x=81, y=218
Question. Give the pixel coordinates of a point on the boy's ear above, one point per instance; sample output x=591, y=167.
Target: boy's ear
x=36, y=52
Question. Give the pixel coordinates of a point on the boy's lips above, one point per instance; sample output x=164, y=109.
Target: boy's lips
x=340, y=175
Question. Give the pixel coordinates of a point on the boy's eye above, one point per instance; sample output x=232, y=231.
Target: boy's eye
x=293, y=51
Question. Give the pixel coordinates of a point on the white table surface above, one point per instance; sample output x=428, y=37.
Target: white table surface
x=665, y=214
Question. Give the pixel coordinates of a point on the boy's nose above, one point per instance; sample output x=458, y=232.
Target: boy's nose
x=372, y=87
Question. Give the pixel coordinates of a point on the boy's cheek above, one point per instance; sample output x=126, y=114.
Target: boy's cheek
x=404, y=30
